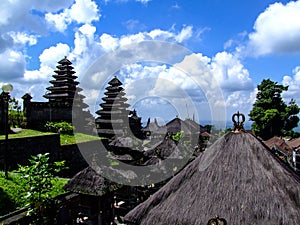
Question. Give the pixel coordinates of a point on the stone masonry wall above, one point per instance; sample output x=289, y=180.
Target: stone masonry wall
x=38, y=113
x=21, y=149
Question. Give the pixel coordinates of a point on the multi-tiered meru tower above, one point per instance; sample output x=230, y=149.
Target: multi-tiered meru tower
x=64, y=85
x=113, y=117
x=64, y=101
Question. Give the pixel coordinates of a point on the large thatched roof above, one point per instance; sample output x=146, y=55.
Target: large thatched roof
x=237, y=178
x=89, y=182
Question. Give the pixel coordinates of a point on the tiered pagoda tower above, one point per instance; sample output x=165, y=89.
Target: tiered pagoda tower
x=113, y=117
x=65, y=103
x=64, y=85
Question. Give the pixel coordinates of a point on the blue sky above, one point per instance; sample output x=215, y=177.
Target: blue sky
x=238, y=42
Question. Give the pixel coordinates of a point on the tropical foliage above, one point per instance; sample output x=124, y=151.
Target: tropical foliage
x=15, y=115
x=271, y=116
x=39, y=177
x=61, y=127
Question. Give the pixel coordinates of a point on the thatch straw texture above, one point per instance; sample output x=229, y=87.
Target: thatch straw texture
x=167, y=148
x=89, y=182
x=237, y=178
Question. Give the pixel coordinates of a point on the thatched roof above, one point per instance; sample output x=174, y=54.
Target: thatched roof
x=154, y=128
x=89, y=182
x=194, y=126
x=176, y=125
x=167, y=148
x=237, y=178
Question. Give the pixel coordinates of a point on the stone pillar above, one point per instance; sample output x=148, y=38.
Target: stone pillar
x=26, y=107
x=2, y=120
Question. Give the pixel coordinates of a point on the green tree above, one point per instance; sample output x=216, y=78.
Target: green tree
x=39, y=177
x=15, y=115
x=271, y=116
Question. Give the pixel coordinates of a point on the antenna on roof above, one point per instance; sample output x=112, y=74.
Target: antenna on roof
x=238, y=120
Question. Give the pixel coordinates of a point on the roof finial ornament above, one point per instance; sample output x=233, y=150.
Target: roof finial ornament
x=238, y=120
x=216, y=220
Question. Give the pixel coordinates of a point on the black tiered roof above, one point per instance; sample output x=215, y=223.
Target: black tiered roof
x=64, y=85
x=113, y=117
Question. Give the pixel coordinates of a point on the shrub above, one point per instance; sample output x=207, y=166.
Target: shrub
x=39, y=177
x=60, y=127
x=178, y=136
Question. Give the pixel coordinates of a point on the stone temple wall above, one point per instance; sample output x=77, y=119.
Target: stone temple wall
x=21, y=149
x=37, y=114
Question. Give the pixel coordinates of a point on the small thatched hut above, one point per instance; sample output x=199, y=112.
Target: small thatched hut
x=167, y=148
x=96, y=196
x=237, y=178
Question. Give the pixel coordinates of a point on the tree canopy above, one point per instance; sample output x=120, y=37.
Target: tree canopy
x=271, y=116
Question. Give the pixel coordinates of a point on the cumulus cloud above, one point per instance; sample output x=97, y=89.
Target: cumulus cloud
x=16, y=17
x=293, y=82
x=48, y=61
x=277, y=30
x=230, y=72
x=20, y=14
x=109, y=42
x=82, y=12
x=23, y=38
x=241, y=101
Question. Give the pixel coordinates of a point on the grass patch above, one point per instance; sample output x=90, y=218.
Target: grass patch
x=25, y=133
x=12, y=195
x=67, y=139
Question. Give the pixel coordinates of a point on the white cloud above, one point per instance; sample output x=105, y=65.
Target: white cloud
x=277, y=30
x=159, y=34
x=82, y=12
x=84, y=40
x=50, y=56
x=48, y=63
x=108, y=42
x=198, y=78
x=294, y=86
x=241, y=101
x=88, y=30
x=128, y=39
x=19, y=14
x=186, y=78
x=230, y=72
x=185, y=34
x=23, y=38
x=59, y=21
